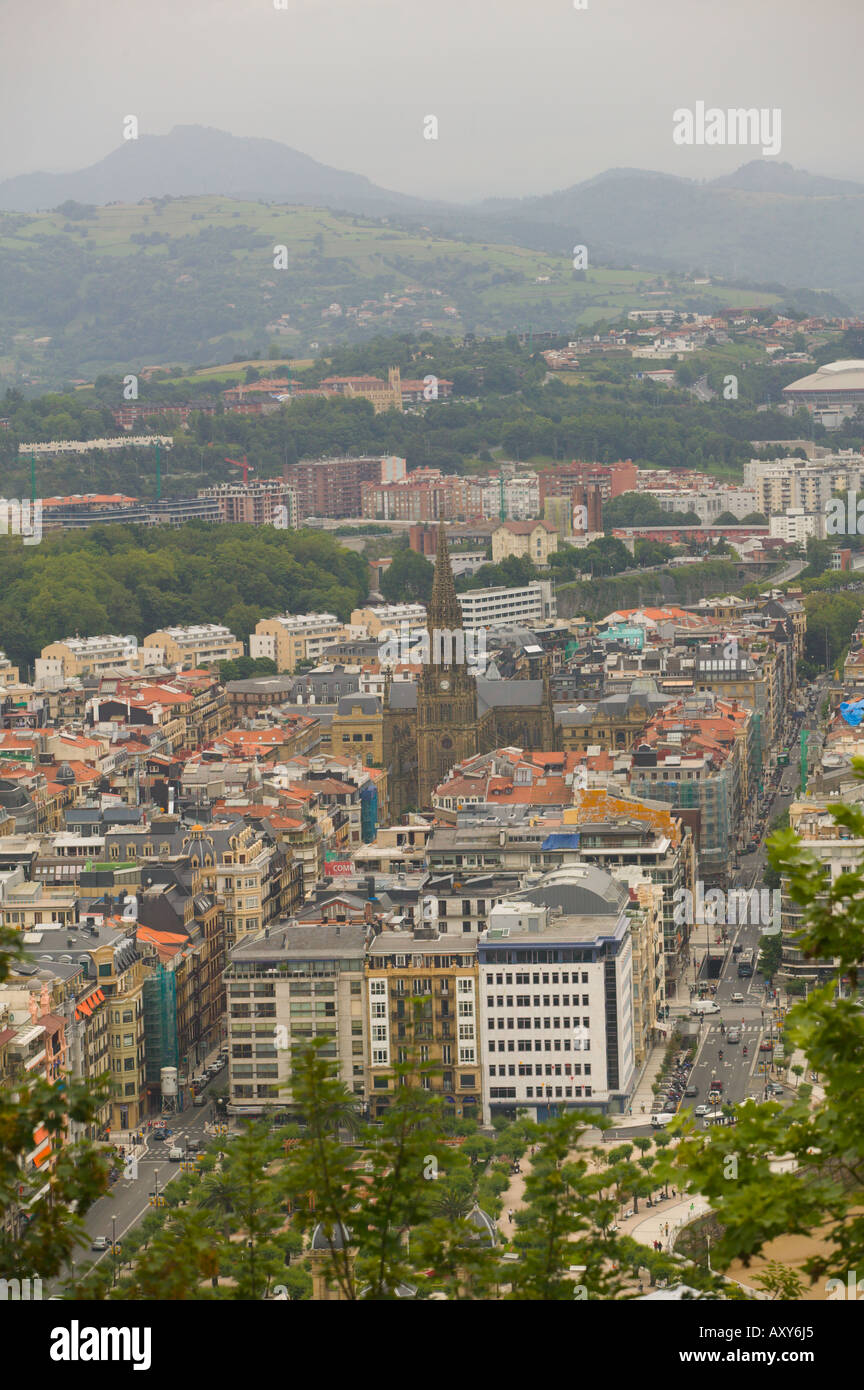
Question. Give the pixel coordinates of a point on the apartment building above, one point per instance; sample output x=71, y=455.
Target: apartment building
x=529, y=540
x=287, y=986
x=83, y=656
x=294, y=637
x=265, y=502
x=504, y=607
x=105, y=948
x=423, y=1015
x=240, y=866
x=556, y=997
x=797, y=526
x=644, y=838
x=202, y=644
x=426, y=494
x=838, y=851
x=807, y=483
x=518, y=496
x=332, y=487
x=388, y=618
x=8, y=672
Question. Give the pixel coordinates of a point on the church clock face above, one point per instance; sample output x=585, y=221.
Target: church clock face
x=444, y=684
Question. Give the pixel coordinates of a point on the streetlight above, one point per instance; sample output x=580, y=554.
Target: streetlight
x=114, y=1251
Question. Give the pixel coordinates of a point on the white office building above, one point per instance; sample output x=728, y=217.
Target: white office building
x=523, y=605
x=556, y=997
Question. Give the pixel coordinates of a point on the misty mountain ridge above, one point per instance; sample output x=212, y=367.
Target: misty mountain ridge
x=193, y=160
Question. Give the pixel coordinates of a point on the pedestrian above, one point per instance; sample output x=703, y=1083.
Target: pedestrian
x=629, y=1109
x=510, y=1214
x=642, y=1108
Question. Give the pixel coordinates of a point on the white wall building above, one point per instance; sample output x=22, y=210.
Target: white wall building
x=524, y=604
x=556, y=996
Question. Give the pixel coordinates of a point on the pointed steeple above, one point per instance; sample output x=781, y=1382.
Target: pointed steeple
x=443, y=610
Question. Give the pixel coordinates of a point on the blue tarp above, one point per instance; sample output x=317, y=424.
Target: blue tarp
x=853, y=712
x=562, y=840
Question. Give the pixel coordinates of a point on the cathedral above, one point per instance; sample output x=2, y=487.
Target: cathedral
x=449, y=714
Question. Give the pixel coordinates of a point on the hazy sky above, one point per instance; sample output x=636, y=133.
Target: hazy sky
x=531, y=95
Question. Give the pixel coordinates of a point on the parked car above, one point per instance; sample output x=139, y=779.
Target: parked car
x=200, y=1100
x=775, y=1089
x=766, y=1045
x=100, y=1243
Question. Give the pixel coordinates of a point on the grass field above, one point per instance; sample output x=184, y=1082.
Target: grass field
x=199, y=274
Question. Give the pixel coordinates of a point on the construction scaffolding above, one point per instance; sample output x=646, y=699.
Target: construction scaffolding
x=159, y=997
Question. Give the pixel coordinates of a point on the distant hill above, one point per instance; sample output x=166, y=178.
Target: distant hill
x=192, y=160
x=192, y=280
x=767, y=176
x=766, y=224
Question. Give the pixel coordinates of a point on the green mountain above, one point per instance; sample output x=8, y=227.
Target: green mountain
x=193, y=281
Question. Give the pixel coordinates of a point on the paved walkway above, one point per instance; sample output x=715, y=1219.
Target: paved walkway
x=664, y=1223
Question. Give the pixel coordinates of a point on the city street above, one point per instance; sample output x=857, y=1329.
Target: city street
x=128, y=1199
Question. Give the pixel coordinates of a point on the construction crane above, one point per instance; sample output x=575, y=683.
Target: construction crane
x=245, y=465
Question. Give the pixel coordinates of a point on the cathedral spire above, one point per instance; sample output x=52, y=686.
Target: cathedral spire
x=443, y=610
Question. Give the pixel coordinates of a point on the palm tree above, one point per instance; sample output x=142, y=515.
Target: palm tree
x=220, y=1194
x=452, y=1202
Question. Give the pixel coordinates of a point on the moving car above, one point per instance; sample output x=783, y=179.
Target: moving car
x=733, y=1035
x=658, y=1121
x=774, y=1089
x=100, y=1243
x=766, y=1046
x=704, y=1006
x=702, y=1110
x=199, y=1100
x=737, y=997
x=159, y=1137
x=175, y=1153
x=691, y=1090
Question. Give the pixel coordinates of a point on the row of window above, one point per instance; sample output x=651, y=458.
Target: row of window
x=536, y=977
x=542, y=1045
x=530, y=1069
x=527, y=1023
x=560, y=1092
x=525, y=1001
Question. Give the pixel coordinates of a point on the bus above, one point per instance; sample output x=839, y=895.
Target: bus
x=745, y=963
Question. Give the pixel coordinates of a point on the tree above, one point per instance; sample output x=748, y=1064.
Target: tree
x=42, y=1215
x=825, y=1135
x=408, y=579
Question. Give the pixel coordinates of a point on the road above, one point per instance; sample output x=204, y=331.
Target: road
x=129, y=1198
x=743, y=1074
